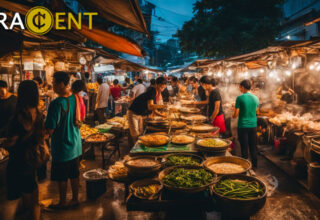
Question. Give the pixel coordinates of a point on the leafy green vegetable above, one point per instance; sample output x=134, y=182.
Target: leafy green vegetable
x=239, y=189
x=188, y=178
x=182, y=160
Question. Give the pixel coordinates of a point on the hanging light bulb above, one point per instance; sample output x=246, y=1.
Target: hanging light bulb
x=229, y=72
x=288, y=72
x=219, y=74
x=311, y=67
x=293, y=66
x=261, y=70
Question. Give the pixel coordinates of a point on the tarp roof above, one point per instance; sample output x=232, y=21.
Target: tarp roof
x=104, y=57
x=126, y=13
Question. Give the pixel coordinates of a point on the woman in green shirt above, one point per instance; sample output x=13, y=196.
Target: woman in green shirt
x=246, y=109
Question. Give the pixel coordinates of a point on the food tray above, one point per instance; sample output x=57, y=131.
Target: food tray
x=148, y=144
x=140, y=149
x=213, y=149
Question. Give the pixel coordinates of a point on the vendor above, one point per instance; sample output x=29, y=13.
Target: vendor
x=285, y=93
x=205, y=83
x=215, y=112
x=144, y=105
x=7, y=106
x=247, y=109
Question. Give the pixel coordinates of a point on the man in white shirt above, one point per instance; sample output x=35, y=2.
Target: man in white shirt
x=102, y=100
x=138, y=89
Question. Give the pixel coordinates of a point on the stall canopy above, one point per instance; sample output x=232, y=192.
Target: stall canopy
x=112, y=41
x=126, y=13
x=103, y=57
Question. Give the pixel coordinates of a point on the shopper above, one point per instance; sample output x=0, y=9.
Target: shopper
x=77, y=87
x=215, y=111
x=38, y=81
x=7, y=106
x=25, y=132
x=144, y=105
x=102, y=100
x=138, y=89
x=175, y=86
x=115, y=90
x=246, y=109
x=65, y=140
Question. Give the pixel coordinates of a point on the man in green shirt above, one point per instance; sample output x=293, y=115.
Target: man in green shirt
x=247, y=108
x=65, y=140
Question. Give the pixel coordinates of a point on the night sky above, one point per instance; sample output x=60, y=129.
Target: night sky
x=174, y=12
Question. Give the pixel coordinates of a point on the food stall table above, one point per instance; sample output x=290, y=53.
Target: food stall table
x=172, y=201
x=139, y=149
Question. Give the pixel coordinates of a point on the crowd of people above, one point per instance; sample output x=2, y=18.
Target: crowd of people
x=207, y=95
x=27, y=129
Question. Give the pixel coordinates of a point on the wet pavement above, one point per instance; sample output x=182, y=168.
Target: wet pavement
x=288, y=201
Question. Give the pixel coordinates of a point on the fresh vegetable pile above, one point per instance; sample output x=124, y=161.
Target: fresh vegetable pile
x=182, y=160
x=239, y=189
x=188, y=178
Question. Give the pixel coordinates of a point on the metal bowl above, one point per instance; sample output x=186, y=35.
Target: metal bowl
x=185, y=143
x=228, y=159
x=168, y=170
x=145, y=182
x=142, y=170
x=213, y=149
x=189, y=110
x=208, y=129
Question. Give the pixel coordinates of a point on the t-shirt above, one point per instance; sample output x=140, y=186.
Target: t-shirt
x=202, y=93
x=165, y=95
x=66, y=139
x=116, y=92
x=7, y=108
x=248, y=104
x=175, y=90
x=103, y=93
x=139, y=105
x=214, y=96
x=26, y=140
x=138, y=89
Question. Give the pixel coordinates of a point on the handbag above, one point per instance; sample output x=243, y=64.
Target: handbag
x=38, y=155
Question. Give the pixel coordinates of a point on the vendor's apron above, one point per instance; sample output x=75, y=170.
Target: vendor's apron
x=220, y=123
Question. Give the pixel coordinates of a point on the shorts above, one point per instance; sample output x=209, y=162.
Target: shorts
x=62, y=171
x=20, y=183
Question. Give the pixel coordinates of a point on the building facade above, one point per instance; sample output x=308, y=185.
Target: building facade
x=301, y=20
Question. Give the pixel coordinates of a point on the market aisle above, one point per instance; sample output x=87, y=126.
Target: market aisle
x=289, y=201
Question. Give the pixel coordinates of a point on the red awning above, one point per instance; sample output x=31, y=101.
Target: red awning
x=111, y=41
